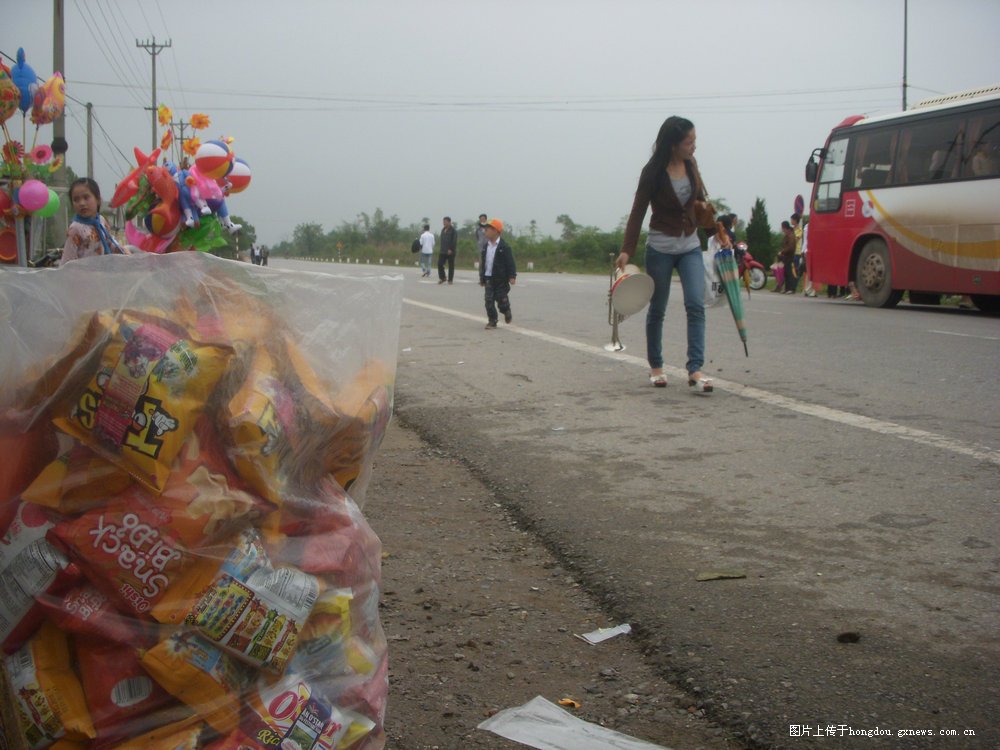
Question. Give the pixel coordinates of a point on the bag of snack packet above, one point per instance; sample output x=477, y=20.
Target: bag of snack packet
x=45, y=693
x=29, y=567
x=83, y=610
x=146, y=393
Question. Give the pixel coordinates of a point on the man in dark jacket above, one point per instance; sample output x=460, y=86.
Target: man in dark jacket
x=497, y=273
x=449, y=246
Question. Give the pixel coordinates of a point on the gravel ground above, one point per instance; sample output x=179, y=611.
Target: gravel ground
x=480, y=617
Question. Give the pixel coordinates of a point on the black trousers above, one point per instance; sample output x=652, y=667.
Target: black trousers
x=450, y=260
x=497, y=295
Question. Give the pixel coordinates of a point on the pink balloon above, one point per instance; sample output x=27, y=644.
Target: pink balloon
x=33, y=195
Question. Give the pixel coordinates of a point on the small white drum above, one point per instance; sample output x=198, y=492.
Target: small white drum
x=631, y=290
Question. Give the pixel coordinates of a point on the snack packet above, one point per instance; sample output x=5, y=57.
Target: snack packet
x=122, y=698
x=29, y=567
x=45, y=692
x=76, y=480
x=261, y=426
x=255, y=615
x=184, y=734
x=147, y=392
x=204, y=677
x=83, y=610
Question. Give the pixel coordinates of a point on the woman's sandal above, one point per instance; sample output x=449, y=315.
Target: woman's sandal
x=658, y=381
x=700, y=385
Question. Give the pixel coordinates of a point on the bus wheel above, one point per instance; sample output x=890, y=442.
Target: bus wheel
x=873, y=276
x=988, y=303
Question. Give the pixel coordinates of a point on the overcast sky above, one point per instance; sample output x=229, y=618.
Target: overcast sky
x=523, y=109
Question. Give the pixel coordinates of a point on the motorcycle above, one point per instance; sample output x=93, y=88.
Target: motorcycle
x=755, y=272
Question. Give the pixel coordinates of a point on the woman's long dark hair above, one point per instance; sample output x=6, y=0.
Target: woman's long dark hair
x=672, y=132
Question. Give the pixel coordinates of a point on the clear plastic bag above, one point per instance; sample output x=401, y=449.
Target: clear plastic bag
x=186, y=442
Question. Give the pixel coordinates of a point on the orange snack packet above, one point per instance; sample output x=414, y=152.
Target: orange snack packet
x=204, y=677
x=24, y=454
x=46, y=694
x=146, y=394
x=137, y=543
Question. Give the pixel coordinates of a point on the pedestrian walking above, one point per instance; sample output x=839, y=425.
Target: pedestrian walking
x=426, y=250
x=497, y=273
x=446, y=256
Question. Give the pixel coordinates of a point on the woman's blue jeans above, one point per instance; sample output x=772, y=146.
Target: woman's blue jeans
x=691, y=268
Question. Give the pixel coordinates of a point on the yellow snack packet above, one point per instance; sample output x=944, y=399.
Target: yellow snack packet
x=45, y=692
x=185, y=734
x=204, y=677
x=148, y=390
x=262, y=428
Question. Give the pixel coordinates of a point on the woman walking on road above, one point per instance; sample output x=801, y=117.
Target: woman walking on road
x=671, y=186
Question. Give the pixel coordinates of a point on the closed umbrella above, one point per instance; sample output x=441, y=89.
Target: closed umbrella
x=729, y=275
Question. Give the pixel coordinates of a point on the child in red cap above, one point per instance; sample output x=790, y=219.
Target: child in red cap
x=496, y=273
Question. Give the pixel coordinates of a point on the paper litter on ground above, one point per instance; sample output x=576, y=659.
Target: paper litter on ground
x=543, y=725
x=602, y=634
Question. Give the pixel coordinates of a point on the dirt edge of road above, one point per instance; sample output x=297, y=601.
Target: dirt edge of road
x=480, y=612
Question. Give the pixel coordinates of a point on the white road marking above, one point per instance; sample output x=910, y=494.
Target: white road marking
x=923, y=437
x=966, y=335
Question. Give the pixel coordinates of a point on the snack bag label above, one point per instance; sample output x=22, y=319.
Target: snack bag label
x=259, y=619
x=290, y=716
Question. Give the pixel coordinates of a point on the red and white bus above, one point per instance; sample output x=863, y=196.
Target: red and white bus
x=911, y=202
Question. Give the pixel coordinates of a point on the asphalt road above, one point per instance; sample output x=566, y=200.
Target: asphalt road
x=848, y=469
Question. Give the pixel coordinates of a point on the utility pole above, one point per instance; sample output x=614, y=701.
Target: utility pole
x=59, y=144
x=153, y=49
x=905, y=13
x=90, y=140
x=179, y=135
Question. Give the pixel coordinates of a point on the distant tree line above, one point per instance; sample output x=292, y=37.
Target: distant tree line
x=375, y=237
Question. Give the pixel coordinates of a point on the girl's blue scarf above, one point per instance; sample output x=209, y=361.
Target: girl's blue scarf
x=107, y=241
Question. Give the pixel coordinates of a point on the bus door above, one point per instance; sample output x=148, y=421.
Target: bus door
x=827, y=233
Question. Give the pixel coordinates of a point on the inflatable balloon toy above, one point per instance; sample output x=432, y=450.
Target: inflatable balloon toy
x=129, y=186
x=49, y=100
x=164, y=217
x=238, y=178
x=9, y=94
x=207, y=197
x=33, y=195
x=214, y=159
x=25, y=79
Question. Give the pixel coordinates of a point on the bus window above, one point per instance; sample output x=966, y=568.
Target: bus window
x=873, y=159
x=831, y=176
x=983, y=156
x=931, y=151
